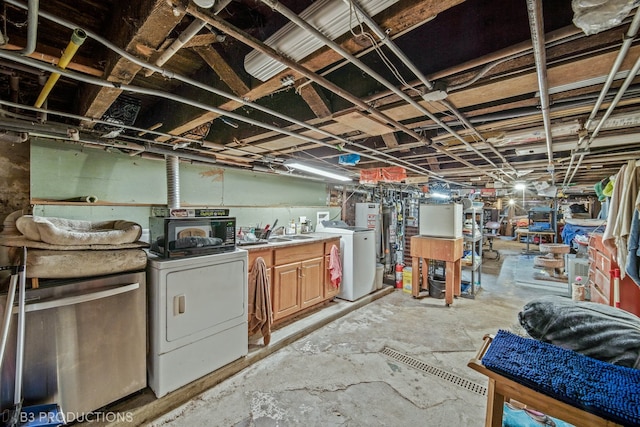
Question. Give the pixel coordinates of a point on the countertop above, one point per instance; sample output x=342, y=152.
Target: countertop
x=291, y=240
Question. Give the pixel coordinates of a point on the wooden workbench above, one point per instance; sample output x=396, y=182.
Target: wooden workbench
x=440, y=249
x=526, y=232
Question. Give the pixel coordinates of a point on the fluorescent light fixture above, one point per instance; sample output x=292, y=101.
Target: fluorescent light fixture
x=440, y=196
x=317, y=171
x=330, y=17
x=583, y=83
x=607, y=141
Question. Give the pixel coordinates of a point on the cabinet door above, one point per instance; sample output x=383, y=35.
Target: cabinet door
x=286, y=290
x=312, y=282
x=330, y=291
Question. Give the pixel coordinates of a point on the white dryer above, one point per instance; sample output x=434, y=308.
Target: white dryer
x=197, y=316
x=358, y=257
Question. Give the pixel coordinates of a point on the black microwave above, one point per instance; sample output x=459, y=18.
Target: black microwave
x=173, y=237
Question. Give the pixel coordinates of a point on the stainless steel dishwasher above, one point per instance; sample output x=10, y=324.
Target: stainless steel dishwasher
x=85, y=343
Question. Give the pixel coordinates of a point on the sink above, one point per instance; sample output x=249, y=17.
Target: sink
x=278, y=239
x=298, y=237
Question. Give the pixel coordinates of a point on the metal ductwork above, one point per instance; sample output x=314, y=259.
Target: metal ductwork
x=173, y=181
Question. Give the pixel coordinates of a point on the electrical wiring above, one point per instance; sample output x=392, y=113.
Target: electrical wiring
x=353, y=11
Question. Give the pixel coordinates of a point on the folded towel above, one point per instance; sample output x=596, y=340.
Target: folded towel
x=607, y=390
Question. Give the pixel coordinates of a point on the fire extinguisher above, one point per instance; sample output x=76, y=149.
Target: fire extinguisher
x=615, y=273
x=399, y=268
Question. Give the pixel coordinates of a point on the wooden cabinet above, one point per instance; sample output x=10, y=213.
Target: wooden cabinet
x=601, y=262
x=286, y=290
x=311, y=282
x=296, y=286
x=299, y=275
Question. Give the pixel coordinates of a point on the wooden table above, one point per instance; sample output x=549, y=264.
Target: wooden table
x=524, y=231
x=440, y=249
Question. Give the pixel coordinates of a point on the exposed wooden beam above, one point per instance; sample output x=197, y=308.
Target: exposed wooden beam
x=403, y=15
x=52, y=56
x=156, y=20
x=390, y=140
x=434, y=164
x=316, y=100
x=222, y=69
x=202, y=40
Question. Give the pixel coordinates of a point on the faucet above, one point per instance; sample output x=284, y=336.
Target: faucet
x=279, y=231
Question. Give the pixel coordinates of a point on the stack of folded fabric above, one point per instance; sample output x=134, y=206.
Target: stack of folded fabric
x=61, y=248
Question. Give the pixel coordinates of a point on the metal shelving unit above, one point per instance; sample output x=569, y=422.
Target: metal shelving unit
x=474, y=243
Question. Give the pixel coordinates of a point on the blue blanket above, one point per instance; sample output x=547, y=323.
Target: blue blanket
x=569, y=231
x=604, y=389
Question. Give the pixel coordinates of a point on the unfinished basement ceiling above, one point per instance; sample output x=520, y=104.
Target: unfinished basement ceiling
x=474, y=93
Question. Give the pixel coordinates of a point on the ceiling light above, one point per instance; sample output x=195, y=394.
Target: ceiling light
x=205, y=4
x=520, y=186
x=316, y=171
x=440, y=196
x=606, y=141
x=331, y=17
x=438, y=93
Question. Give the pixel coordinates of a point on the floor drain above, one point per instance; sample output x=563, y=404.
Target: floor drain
x=432, y=370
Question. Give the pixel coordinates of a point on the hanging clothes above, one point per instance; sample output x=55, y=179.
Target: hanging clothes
x=335, y=267
x=632, y=268
x=622, y=227
x=608, y=237
x=621, y=235
x=260, y=313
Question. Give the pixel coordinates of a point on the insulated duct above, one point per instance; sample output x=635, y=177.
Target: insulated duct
x=228, y=29
x=283, y=10
x=173, y=181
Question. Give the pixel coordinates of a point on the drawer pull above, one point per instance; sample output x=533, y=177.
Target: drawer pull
x=179, y=305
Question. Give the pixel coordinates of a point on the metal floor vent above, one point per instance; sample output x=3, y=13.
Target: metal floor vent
x=432, y=370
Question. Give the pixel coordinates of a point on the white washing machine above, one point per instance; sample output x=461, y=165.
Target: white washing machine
x=197, y=317
x=358, y=257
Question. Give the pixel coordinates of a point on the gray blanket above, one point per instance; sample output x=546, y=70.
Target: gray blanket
x=596, y=330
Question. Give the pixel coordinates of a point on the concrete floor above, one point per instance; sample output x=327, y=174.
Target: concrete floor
x=389, y=359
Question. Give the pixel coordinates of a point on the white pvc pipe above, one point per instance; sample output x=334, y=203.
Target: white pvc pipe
x=624, y=49
x=536, y=24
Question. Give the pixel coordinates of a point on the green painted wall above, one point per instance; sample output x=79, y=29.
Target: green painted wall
x=62, y=171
